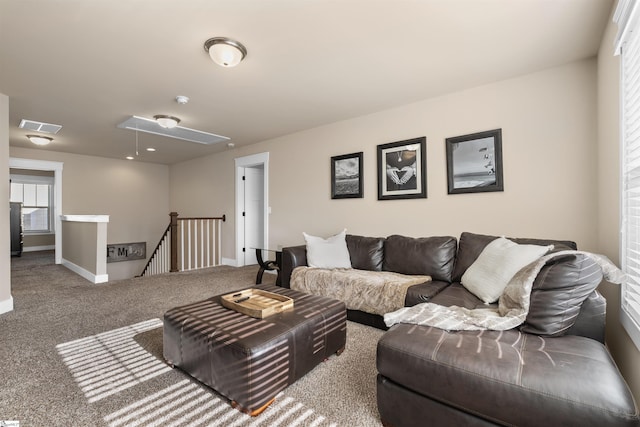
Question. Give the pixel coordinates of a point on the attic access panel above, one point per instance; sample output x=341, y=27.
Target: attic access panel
x=143, y=124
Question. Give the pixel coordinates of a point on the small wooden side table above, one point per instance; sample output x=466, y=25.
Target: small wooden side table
x=268, y=265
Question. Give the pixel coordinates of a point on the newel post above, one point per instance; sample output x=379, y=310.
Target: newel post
x=174, y=241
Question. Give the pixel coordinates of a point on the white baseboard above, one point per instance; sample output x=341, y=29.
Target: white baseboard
x=38, y=248
x=6, y=305
x=229, y=261
x=101, y=278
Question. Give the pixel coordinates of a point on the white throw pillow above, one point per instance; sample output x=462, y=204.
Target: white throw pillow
x=498, y=262
x=331, y=252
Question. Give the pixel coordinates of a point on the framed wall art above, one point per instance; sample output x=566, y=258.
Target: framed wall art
x=474, y=162
x=402, y=169
x=346, y=176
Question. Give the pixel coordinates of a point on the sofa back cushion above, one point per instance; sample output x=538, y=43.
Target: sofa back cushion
x=431, y=256
x=558, y=293
x=471, y=245
x=367, y=253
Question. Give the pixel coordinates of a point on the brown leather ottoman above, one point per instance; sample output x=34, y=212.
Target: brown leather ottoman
x=251, y=360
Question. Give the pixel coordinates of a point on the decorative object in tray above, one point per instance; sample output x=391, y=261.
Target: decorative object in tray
x=256, y=302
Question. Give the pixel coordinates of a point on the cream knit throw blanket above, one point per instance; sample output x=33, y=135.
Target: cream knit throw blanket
x=513, y=305
x=376, y=292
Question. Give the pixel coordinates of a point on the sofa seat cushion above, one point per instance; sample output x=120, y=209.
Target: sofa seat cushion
x=456, y=294
x=375, y=292
x=502, y=376
x=424, y=292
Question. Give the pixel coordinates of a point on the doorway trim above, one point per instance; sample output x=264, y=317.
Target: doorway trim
x=241, y=163
x=56, y=167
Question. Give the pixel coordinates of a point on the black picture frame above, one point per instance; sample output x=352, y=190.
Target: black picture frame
x=346, y=176
x=402, y=169
x=474, y=162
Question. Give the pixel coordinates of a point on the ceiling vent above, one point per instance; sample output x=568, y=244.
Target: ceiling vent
x=39, y=126
x=151, y=126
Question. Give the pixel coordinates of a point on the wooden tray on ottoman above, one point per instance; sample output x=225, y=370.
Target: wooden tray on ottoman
x=256, y=302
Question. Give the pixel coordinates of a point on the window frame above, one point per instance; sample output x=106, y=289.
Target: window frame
x=39, y=180
x=627, y=16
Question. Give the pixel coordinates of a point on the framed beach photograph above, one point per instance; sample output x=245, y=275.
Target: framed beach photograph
x=402, y=169
x=474, y=162
x=346, y=176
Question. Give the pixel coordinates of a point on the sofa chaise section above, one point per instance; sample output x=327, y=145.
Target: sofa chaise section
x=498, y=377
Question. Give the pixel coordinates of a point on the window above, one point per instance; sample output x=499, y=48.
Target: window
x=628, y=46
x=36, y=195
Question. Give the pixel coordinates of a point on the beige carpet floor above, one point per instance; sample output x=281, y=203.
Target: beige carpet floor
x=79, y=354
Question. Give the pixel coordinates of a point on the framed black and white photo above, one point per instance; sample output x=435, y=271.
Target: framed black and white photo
x=402, y=172
x=346, y=176
x=474, y=162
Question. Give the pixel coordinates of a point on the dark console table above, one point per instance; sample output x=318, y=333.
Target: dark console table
x=269, y=265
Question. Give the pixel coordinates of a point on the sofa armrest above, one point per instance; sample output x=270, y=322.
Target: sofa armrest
x=292, y=257
x=590, y=322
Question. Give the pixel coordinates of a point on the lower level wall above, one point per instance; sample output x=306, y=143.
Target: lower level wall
x=38, y=242
x=79, y=241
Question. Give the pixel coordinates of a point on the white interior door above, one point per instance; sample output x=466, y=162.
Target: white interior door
x=253, y=213
x=259, y=163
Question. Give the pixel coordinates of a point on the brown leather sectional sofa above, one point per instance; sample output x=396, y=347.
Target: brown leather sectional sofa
x=552, y=370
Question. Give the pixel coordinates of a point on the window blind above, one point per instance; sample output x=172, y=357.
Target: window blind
x=628, y=45
x=36, y=195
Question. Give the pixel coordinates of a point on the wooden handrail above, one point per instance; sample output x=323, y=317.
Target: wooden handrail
x=223, y=218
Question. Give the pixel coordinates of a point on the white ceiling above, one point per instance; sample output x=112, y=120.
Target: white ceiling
x=89, y=65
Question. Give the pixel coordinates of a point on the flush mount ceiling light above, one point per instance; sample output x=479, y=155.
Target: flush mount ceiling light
x=39, y=140
x=167, y=122
x=224, y=51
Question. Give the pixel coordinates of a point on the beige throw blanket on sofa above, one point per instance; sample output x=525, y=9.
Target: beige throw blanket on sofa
x=513, y=305
x=376, y=292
